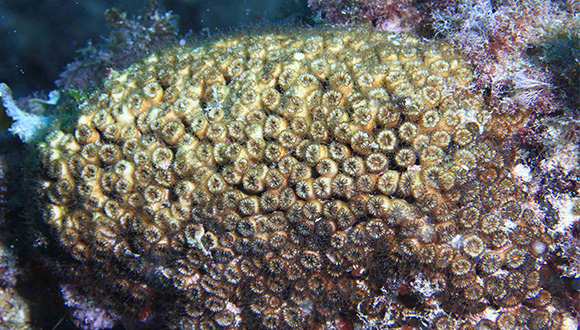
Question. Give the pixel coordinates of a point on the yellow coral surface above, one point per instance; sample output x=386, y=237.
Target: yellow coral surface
x=293, y=180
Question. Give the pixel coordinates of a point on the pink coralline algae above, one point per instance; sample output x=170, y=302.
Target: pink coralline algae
x=496, y=37
x=86, y=315
x=386, y=15
x=390, y=15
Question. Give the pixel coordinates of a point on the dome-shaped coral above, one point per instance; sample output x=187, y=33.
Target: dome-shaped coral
x=282, y=180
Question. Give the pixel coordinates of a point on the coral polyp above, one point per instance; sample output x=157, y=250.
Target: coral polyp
x=287, y=180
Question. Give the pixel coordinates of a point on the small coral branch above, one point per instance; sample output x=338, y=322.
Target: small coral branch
x=26, y=125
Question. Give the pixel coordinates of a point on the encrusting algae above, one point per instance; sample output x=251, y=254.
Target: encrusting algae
x=297, y=180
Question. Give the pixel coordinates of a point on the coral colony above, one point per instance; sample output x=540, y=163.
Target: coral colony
x=280, y=180
x=325, y=178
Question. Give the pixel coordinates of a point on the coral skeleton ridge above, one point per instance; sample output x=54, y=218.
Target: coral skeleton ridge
x=292, y=180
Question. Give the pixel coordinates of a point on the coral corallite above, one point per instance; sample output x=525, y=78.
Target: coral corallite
x=281, y=180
